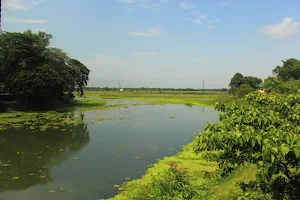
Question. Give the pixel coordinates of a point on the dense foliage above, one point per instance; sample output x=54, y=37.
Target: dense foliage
x=241, y=85
x=238, y=79
x=30, y=67
x=277, y=85
x=173, y=184
x=289, y=70
x=265, y=132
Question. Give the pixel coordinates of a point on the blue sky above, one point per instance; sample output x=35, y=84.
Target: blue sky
x=165, y=43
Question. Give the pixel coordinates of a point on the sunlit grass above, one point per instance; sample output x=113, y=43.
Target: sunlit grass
x=189, y=99
x=197, y=167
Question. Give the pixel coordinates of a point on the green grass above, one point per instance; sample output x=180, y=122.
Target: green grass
x=103, y=119
x=196, y=166
x=189, y=99
x=201, y=172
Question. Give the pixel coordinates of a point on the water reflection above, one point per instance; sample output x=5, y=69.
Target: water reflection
x=26, y=157
x=45, y=161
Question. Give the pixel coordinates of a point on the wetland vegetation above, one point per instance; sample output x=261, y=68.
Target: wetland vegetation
x=248, y=148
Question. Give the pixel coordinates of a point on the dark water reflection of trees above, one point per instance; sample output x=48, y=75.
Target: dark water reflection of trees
x=31, y=155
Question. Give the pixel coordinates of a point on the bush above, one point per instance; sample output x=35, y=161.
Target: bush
x=241, y=91
x=172, y=185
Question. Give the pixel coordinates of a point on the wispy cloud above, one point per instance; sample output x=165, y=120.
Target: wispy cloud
x=153, y=5
x=224, y=3
x=26, y=21
x=198, y=18
x=150, y=33
x=282, y=30
x=19, y=4
x=144, y=54
x=13, y=4
x=127, y=1
x=202, y=19
x=185, y=5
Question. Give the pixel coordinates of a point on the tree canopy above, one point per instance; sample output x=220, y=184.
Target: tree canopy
x=238, y=79
x=289, y=70
x=30, y=67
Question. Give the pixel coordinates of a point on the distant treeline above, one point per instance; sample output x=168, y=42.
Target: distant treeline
x=154, y=89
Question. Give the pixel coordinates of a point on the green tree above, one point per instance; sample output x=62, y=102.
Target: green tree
x=81, y=74
x=252, y=81
x=236, y=80
x=19, y=52
x=275, y=84
x=289, y=70
x=30, y=68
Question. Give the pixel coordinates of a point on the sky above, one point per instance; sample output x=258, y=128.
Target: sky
x=165, y=43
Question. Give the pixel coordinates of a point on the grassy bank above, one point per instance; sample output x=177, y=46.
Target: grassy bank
x=198, y=99
x=201, y=176
x=201, y=171
x=98, y=101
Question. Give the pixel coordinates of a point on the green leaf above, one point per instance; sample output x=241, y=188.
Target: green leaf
x=266, y=154
x=272, y=158
x=252, y=143
x=284, y=149
x=260, y=163
x=287, y=138
x=297, y=153
x=298, y=172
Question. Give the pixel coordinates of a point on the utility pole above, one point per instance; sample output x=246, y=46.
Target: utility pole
x=203, y=86
x=119, y=84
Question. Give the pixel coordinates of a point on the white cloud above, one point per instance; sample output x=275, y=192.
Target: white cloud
x=283, y=30
x=203, y=19
x=185, y=5
x=224, y=3
x=127, y=1
x=151, y=33
x=198, y=18
x=144, y=54
x=153, y=7
x=20, y=4
x=13, y=4
x=26, y=21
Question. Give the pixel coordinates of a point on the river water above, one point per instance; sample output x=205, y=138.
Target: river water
x=86, y=161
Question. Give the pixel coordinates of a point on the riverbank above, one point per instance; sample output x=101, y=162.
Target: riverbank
x=155, y=97
x=98, y=101
x=202, y=177
x=201, y=171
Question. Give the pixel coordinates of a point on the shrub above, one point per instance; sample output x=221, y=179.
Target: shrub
x=173, y=184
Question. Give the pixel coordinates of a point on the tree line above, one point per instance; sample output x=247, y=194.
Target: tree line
x=33, y=71
x=285, y=79
x=154, y=89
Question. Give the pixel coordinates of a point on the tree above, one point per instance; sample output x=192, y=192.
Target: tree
x=275, y=84
x=18, y=52
x=81, y=74
x=242, y=90
x=30, y=68
x=236, y=80
x=289, y=70
x=252, y=81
